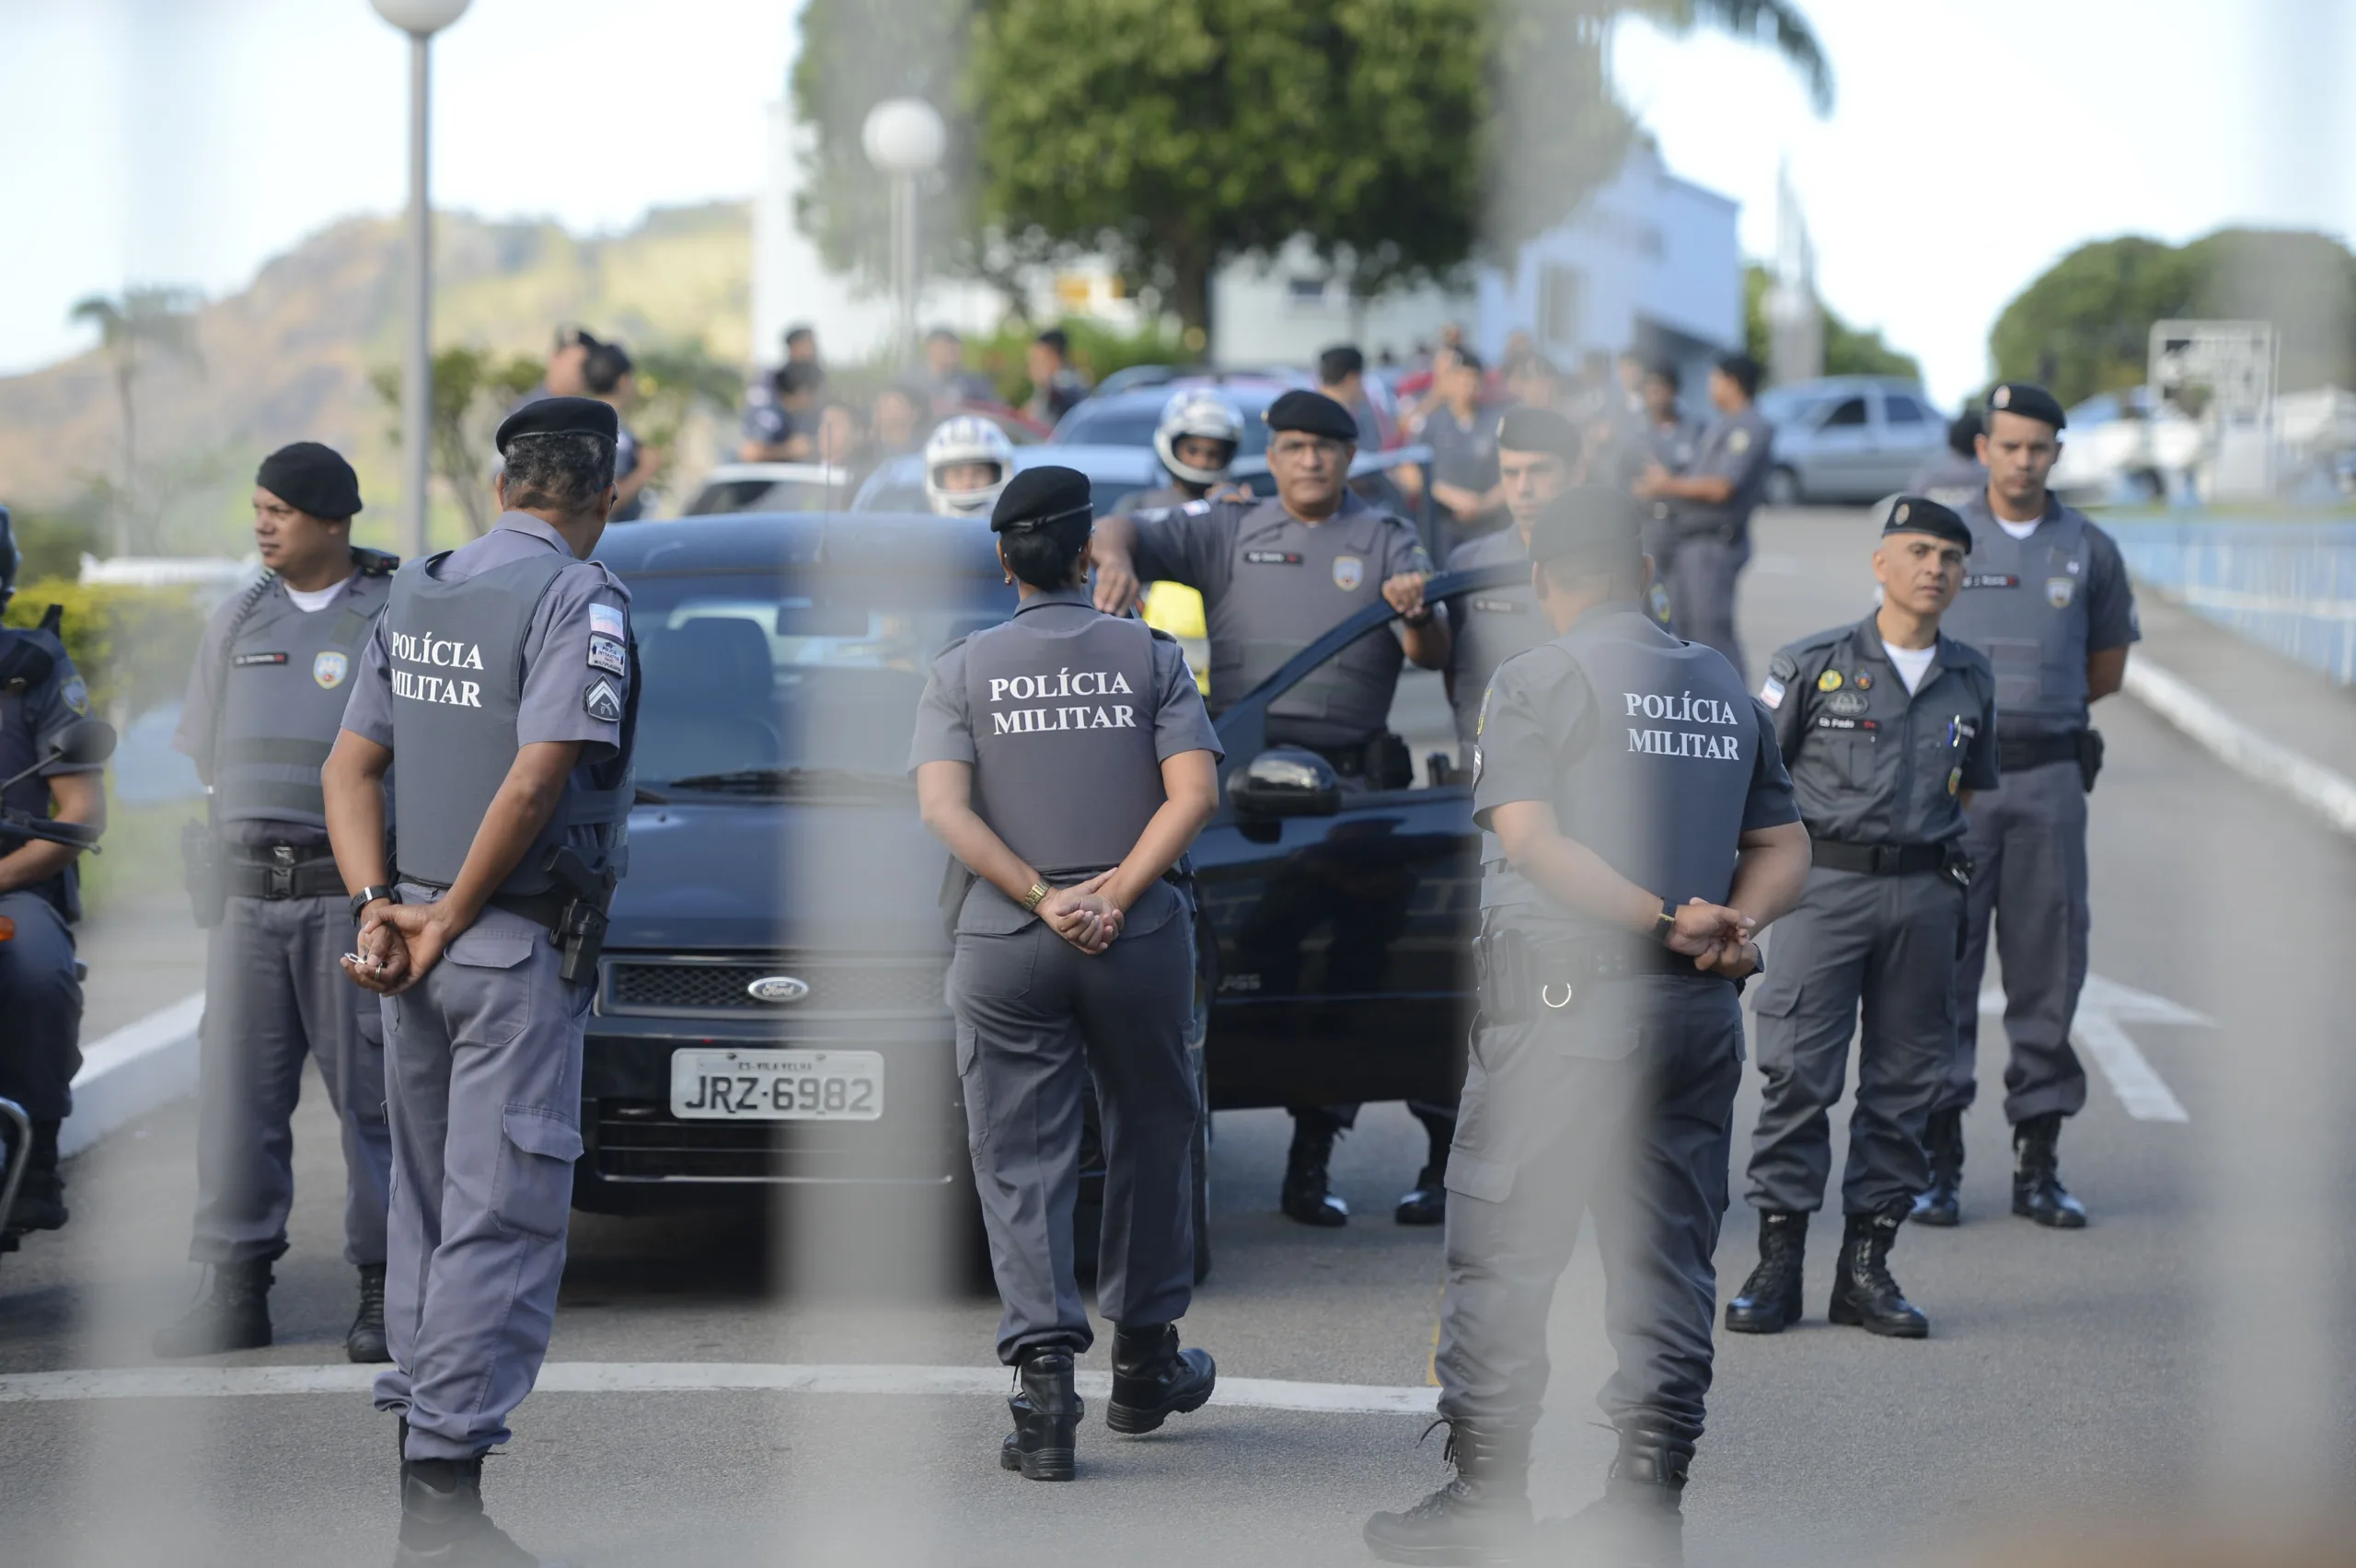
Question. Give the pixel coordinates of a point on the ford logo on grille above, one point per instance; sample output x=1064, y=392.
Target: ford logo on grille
x=777, y=988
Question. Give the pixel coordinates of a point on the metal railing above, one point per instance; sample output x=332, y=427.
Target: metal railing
x=2287, y=586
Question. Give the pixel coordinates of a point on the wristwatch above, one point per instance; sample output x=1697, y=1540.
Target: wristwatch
x=1039, y=890
x=1664, y=924
x=368, y=895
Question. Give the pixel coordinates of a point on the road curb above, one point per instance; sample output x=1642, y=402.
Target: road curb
x=2328, y=794
x=139, y=1068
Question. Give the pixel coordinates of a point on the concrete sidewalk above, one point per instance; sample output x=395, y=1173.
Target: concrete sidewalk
x=140, y=1006
x=2281, y=699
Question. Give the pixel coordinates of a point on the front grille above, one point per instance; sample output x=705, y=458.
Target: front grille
x=642, y=1141
x=887, y=986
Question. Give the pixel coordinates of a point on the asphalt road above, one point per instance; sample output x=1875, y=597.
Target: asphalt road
x=2184, y=1355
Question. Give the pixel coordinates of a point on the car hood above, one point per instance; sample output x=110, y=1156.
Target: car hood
x=738, y=874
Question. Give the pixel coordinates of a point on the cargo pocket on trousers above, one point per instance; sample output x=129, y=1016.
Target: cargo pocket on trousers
x=969, y=1088
x=533, y=1194
x=501, y=1008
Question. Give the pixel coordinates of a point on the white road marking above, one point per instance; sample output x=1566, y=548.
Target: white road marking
x=686, y=1378
x=2103, y=1006
x=2326, y=792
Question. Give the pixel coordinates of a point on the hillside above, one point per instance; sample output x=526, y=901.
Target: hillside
x=288, y=358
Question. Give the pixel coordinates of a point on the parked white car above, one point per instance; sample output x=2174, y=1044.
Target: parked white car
x=1848, y=438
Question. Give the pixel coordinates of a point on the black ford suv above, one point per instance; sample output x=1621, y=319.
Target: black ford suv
x=770, y=1010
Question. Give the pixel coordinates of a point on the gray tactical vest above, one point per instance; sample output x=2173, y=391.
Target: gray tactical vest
x=1661, y=783
x=1065, y=766
x=2024, y=604
x=1491, y=625
x=1289, y=585
x=288, y=676
x=457, y=674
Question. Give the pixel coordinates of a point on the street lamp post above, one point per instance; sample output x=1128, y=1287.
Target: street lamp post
x=420, y=19
x=904, y=139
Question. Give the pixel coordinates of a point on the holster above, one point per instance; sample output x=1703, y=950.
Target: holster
x=2089, y=757
x=1389, y=763
x=1501, y=966
x=1956, y=865
x=203, y=872
x=573, y=910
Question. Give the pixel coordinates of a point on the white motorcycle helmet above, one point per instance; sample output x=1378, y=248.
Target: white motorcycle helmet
x=966, y=438
x=1203, y=413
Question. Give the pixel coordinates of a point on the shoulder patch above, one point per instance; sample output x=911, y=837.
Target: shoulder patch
x=76, y=696
x=606, y=620
x=1192, y=509
x=603, y=702
x=1782, y=666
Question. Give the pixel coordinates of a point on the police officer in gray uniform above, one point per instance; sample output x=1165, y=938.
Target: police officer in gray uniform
x=264, y=703
x=1646, y=832
x=1536, y=449
x=1273, y=575
x=1887, y=728
x=1065, y=759
x=1708, y=523
x=503, y=672
x=1955, y=478
x=42, y=695
x=2048, y=600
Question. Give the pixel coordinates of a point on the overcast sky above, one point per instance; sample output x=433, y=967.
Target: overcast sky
x=1972, y=143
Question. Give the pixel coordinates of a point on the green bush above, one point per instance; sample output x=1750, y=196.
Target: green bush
x=1097, y=351
x=133, y=645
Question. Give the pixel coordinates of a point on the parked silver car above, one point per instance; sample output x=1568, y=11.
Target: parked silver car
x=1848, y=438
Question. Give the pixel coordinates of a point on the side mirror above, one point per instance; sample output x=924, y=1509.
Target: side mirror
x=1286, y=782
x=82, y=743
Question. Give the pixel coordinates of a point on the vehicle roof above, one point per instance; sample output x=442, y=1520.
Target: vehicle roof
x=1102, y=465
x=779, y=473
x=1824, y=385
x=1251, y=392
x=769, y=541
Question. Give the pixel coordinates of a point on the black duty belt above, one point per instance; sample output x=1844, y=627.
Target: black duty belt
x=2022, y=752
x=286, y=873
x=1880, y=860
x=1518, y=973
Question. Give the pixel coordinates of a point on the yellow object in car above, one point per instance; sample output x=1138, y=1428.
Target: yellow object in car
x=1177, y=609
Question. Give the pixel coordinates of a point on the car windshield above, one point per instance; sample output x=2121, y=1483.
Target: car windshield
x=1133, y=424
x=806, y=681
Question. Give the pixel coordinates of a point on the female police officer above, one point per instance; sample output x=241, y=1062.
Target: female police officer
x=1066, y=758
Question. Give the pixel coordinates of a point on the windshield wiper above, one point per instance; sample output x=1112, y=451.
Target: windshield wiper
x=795, y=781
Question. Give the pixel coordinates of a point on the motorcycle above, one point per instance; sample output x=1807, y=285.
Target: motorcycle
x=85, y=743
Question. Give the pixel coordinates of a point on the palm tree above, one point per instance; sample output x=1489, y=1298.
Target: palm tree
x=160, y=318
x=1774, y=23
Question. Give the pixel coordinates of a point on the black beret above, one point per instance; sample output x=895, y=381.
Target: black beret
x=1914, y=514
x=311, y=477
x=1539, y=429
x=1583, y=518
x=1041, y=498
x=2029, y=400
x=558, y=416
x=1313, y=414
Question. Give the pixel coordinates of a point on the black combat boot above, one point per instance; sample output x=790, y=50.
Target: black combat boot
x=442, y=1524
x=1942, y=1204
x=1480, y=1515
x=1426, y=1202
x=1639, y=1522
x=1864, y=1294
x=233, y=1315
x=1047, y=1413
x=1153, y=1379
x=41, y=1197
x=2037, y=1192
x=366, y=1343
x=1307, y=1198
x=1768, y=1301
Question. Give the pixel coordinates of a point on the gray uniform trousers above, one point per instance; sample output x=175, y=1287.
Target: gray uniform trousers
x=1702, y=573
x=1642, y=1141
x=483, y=1074
x=1889, y=944
x=1035, y=1018
x=274, y=993
x=2027, y=841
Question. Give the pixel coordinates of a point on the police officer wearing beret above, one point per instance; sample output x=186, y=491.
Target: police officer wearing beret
x=2047, y=599
x=1709, y=507
x=1275, y=575
x=1887, y=728
x=500, y=690
x=40, y=997
x=264, y=703
x=1537, y=450
x=1065, y=759
x=1645, y=832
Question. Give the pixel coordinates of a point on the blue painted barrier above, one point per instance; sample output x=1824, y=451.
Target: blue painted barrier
x=2288, y=586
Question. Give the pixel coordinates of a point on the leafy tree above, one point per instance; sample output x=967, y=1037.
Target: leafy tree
x=673, y=381
x=472, y=391
x=1848, y=350
x=2085, y=325
x=1400, y=137
x=151, y=318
